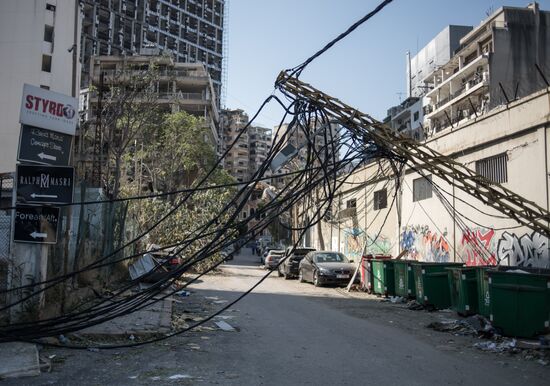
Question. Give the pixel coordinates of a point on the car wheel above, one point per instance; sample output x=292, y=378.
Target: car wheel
x=301, y=276
x=316, y=281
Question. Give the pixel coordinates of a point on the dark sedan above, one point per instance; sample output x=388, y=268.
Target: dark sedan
x=325, y=268
x=289, y=267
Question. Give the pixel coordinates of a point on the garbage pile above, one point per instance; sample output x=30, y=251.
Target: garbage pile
x=475, y=325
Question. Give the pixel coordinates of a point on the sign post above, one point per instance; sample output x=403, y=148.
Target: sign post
x=36, y=224
x=48, y=110
x=44, y=146
x=48, y=123
x=45, y=184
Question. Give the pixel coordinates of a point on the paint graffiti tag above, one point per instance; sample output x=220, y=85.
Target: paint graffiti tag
x=378, y=245
x=478, y=247
x=424, y=244
x=525, y=251
x=353, y=247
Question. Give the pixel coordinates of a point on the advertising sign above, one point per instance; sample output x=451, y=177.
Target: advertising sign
x=48, y=110
x=44, y=146
x=36, y=224
x=45, y=184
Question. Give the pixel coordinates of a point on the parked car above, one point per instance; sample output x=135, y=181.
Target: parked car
x=325, y=267
x=290, y=267
x=268, y=249
x=273, y=257
x=228, y=252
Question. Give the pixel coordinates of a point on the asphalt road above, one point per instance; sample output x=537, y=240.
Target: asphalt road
x=290, y=333
x=295, y=334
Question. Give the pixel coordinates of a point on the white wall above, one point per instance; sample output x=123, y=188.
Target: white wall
x=468, y=230
x=22, y=44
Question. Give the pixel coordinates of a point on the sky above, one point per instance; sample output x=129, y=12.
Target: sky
x=366, y=70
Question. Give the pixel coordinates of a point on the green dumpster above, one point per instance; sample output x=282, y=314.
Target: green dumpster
x=367, y=279
x=382, y=272
x=463, y=289
x=404, y=278
x=483, y=296
x=432, y=286
x=520, y=301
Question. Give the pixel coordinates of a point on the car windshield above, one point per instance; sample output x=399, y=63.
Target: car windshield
x=302, y=251
x=330, y=257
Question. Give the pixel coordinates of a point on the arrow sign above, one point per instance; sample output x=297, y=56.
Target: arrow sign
x=36, y=224
x=43, y=146
x=47, y=156
x=34, y=195
x=45, y=184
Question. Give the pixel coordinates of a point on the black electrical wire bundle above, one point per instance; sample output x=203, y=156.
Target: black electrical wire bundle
x=320, y=163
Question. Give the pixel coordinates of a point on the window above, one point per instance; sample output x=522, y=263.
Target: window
x=351, y=203
x=416, y=115
x=494, y=168
x=44, y=87
x=380, y=200
x=48, y=33
x=50, y=7
x=422, y=188
x=46, y=63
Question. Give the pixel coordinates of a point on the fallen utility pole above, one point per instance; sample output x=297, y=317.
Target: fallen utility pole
x=421, y=156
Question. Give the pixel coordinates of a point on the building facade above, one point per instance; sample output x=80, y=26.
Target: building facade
x=488, y=108
x=39, y=41
x=191, y=30
x=179, y=87
x=506, y=58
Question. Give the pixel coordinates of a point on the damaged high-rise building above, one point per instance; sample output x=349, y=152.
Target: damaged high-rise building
x=191, y=30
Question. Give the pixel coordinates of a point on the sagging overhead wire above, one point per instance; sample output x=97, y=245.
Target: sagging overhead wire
x=320, y=171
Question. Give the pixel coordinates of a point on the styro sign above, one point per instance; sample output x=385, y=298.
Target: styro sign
x=49, y=110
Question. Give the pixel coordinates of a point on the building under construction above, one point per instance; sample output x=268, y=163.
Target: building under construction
x=191, y=30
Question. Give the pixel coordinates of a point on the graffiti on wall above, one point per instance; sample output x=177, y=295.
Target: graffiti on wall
x=529, y=250
x=353, y=243
x=424, y=244
x=378, y=245
x=478, y=246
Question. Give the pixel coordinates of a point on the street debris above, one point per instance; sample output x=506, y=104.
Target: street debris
x=224, y=326
x=505, y=345
x=183, y=293
x=180, y=376
x=414, y=305
x=475, y=325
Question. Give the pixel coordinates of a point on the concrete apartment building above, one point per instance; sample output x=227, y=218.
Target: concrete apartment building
x=251, y=147
x=236, y=162
x=505, y=141
x=39, y=40
x=408, y=116
x=180, y=87
x=191, y=30
x=507, y=57
x=259, y=144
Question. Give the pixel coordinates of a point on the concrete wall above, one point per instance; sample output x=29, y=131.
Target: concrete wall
x=524, y=42
x=22, y=45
